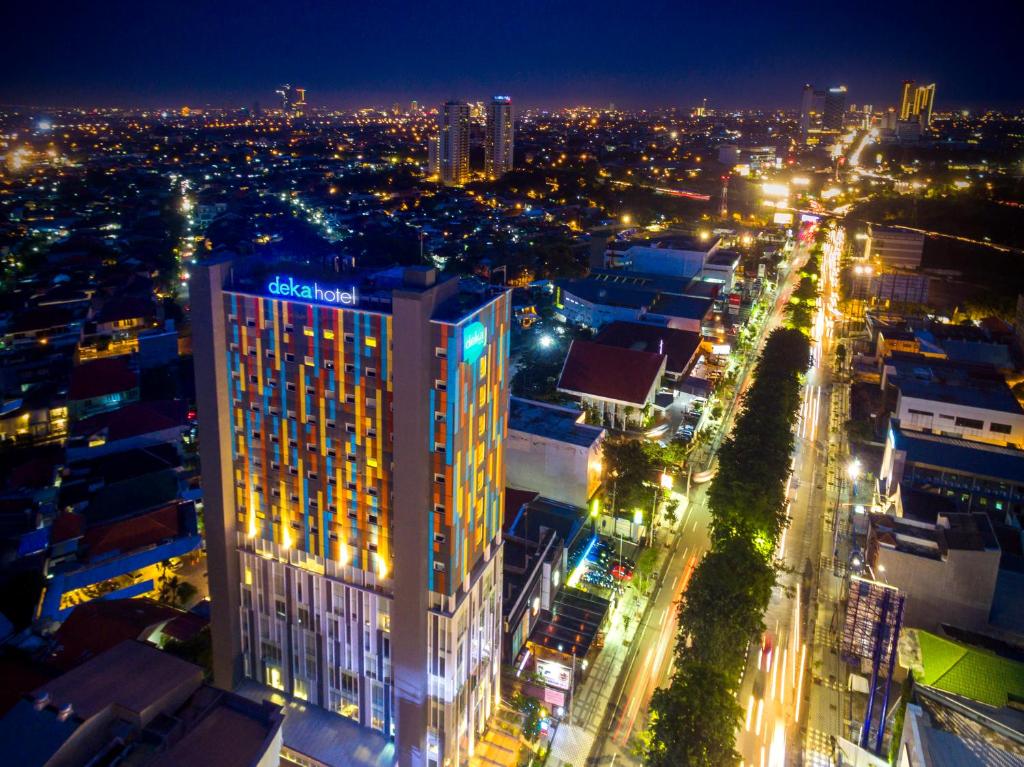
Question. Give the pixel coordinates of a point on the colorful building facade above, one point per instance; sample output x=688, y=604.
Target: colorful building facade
x=363, y=448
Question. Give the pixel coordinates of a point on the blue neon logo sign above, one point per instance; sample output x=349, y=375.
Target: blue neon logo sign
x=288, y=287
x=474, y=339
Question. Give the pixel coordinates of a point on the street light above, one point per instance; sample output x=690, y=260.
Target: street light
x=546, y=341
x=854, y=469
x=626, y=219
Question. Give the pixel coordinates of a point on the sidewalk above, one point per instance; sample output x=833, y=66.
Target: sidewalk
x=575, y=736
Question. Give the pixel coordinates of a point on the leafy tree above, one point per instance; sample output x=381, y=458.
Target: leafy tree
x=694, y=720
x=733, y=574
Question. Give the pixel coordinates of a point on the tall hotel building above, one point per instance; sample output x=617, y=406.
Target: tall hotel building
x=499, y=139
x=353, y=472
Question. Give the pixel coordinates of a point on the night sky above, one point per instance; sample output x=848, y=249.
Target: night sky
x=738, y=54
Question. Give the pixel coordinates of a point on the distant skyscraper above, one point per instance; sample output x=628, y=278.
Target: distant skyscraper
x=906, y=99
x=917, y=103
x=293, y=99
x=453, y=143
x=499, y=141
x=353, y=482
x=835, y=108
x=812, y=108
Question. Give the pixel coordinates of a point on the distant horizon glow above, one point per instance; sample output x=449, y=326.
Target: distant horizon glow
x=544, y=56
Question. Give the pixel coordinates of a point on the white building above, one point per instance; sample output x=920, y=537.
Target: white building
x=981, y=414
x=550, y=450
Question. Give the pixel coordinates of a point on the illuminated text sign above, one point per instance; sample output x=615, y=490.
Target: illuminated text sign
x=288, y=287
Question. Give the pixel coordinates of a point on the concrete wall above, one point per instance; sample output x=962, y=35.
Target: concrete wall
x=213, y=408
x=557, y=470
x=957, y=590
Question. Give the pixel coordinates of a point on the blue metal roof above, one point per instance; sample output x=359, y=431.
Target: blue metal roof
x=961, y=455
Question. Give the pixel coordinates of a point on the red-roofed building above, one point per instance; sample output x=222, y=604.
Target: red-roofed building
x=619, y=383
x=100, y=386
x=681, y=347
x=136, y=425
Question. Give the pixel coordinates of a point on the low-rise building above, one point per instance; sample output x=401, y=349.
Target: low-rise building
x=136, y=705
x=682, y=348
x=975, y=476
x=947, y=570
x=980, y=412
x=892, y=248
x=671, y=254
x=619, y=384
x=100, y=386
x=963, y=707
x=550, y=450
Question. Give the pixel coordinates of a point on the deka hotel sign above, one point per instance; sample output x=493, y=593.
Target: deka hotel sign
x=288, y=287
x=474, y=339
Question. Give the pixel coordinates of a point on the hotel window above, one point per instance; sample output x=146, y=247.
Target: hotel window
x=349, y=338
x=440, y=352
x=232, y=347
x=328, y=364
x=232, y=317
x=350, y=399
x=289, y=385
x=439, y=538
x=308, y=360
x=252, y=351
x=294, y=498
x=440, y=385
x=371, y=373
x=253, y=379
x=291, y=414
x=288, y=327
x=310, y=418
x=371, y=433
x=293, y=471
x=332, y=453
x=372, y=491
x=439, y=447
x=371, y=342
x=350, y=368
x=439, y=478
x=275, y=410
x=350, y=428
x=311, y=447
x=269, y=354
x=1000, y=428
x=275, y=465
x=308, y=331
x=439, y=508
x=438, y=415
x=331, y=424
x=439, y=566
x=329, y=335
x=310, y=390
x=289, y=357
x=254, y=407
x=312, y=475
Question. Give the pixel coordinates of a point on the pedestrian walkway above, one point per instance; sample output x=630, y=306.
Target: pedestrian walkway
x=575, y=736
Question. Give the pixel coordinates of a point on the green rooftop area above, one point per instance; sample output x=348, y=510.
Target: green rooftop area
x=966, y=671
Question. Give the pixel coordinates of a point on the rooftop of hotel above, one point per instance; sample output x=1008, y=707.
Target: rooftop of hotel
x=552, y=421
x=373, y=289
